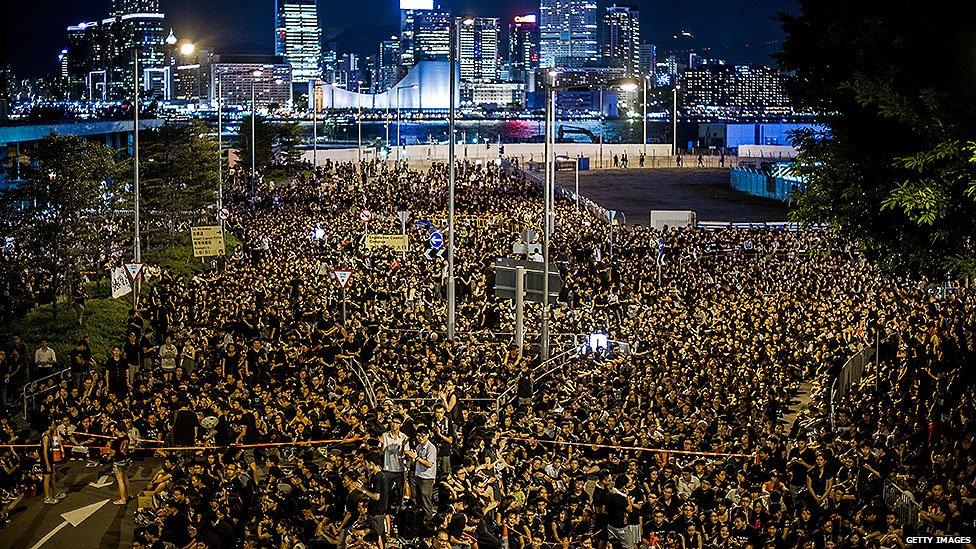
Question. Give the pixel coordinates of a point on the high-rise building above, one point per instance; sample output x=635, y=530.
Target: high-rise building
x=648, y=60
x=99, y=58
x=432, y=36
x=388, y=63
x=523, y=49
x=425, y=32
x=235, y=76
x=135, y=25
x=478, y=50
x=621, y=38
x=297, y=37
x=568, y=33
x=724, y=92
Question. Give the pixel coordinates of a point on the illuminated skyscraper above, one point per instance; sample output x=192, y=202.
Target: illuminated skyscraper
x=621, y=38
x=479, y=50
x=568, y=33
x=523, y=52
x=297, y=37
x=99, y=58
x=425, y=32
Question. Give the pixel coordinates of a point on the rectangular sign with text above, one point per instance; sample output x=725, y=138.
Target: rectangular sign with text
x=208, y=241
x=396, y=241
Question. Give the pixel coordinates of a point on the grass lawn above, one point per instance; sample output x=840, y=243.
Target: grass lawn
x=105, y=317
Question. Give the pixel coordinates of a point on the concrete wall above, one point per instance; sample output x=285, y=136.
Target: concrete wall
x=525, y=152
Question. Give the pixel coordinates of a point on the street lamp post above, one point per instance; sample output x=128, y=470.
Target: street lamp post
x=601, y=127
x=220, y=146
x=452, y=175
x=548, y=186
x=136, y=242
x=254, y=146
x=315, y=125
x=674, y=122
x=646, y=78
x=549, y=189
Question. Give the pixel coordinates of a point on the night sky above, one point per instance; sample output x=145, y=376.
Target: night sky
x=742, y=31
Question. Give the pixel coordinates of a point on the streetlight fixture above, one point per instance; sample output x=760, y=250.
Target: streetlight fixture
x=398, y=90
x=674, y=122
x=136, y=241
x=254, y=77
x=549, y=185
x=645, y=79
x=315, y=125
x=452, y=175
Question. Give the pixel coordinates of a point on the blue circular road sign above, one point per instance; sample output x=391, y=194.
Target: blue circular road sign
x=436, y=240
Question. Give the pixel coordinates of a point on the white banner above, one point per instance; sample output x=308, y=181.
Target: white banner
x=120, y=283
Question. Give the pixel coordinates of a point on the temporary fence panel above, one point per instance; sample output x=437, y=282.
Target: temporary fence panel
x=902, y=503
x=759, y=183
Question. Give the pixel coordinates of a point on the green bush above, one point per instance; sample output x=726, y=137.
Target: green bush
x=104, y=323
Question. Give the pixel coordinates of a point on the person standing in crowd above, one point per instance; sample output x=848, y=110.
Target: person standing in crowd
x=443, y=437
x=45, y=359
x=395, y=445
x=186, y=425
x=133, y=357
x=79, y=363
x=116, y=373
x=79, y=296
x=167, y=359
x=119, y=454
x=424, y=470
x=616, y=505
x=48, y=470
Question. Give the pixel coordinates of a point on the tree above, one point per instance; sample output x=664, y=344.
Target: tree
x=895, y=167
x=288, y=137
x=178, y=175
x=55, y=214
x=264, y=135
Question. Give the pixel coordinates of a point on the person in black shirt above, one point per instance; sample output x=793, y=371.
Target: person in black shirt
x=116, y=373
x=616, y=505
x=133, y=356
x=119, y=453
x=185, y=426
x=230, y=363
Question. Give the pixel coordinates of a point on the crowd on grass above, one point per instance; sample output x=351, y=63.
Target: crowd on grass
x=320, y=417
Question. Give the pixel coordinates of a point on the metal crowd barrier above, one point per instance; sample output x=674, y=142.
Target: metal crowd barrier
x=40, y=386
x=902, y=503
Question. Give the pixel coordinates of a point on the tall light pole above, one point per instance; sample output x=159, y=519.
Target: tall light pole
x=452, y=175
x=674, y=121
x=398, y=90
x=548, y=187
x=601, y=126
x=220, y=145
x=254, y=146
x=315, y=125
x=136, y=242
x=646, y=78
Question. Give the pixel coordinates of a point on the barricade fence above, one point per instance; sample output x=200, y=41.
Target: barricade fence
x=903, y=504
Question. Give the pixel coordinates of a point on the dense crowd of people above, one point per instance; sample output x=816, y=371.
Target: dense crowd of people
x=283, y=411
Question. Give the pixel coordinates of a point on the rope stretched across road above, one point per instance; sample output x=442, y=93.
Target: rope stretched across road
x=639, y=448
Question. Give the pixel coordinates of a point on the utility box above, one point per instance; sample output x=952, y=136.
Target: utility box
x=672, y=218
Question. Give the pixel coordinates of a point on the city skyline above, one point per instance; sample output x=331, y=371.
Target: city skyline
x=743, y=33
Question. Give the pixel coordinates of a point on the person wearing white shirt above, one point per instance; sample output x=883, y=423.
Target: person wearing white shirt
x=44, y=359
x=395, y=445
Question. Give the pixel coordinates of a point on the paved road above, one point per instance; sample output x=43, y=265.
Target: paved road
x=706, y=191
x=108, y=527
